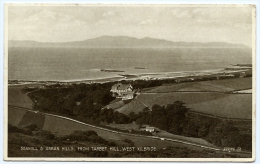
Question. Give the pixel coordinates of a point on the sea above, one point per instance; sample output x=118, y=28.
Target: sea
x=80, y=63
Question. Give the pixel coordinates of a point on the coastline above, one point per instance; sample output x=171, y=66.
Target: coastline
x=139, y=76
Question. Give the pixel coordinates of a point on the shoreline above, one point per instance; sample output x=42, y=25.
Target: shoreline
x=140, y=76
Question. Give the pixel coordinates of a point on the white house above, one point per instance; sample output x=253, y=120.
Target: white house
x=149, y=129
x=120, y=88
x=124, y=91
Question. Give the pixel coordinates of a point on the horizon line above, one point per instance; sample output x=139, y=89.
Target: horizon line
x=130, y=37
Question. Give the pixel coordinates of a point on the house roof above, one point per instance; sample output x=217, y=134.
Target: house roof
x=123, y=86
x=120, y=86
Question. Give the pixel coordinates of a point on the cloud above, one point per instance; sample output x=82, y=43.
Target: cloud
x=108, y=13
x=181, y=13
x=228, y=13
x=190, y=23
x=100, y=22
x=65, y=18
x=148, y=22
x=42, y=16
x=33, y=18
x=214, y=16
x=49, y=16
x=213, y=13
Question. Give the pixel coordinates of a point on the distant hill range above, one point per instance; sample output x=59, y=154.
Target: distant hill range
x=124, y=41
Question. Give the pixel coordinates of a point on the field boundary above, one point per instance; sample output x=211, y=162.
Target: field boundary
x=226, y=92
x=208, y=115
x=219, y=117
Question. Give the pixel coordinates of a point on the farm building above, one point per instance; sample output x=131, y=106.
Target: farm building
x=124, y=91
x=147, y=128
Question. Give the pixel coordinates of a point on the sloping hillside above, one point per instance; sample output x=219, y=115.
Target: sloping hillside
x=214, y=85
x=59, y=126
x=219, y=104
x=16, y=98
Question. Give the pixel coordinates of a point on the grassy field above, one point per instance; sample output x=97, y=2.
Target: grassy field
x=133, y=106
x=207, y=98
x=214, y=85
x=131, y=126
x=162, y=134
x=16, y=98
x=33, y=118
x=219, y=104
x=15, y=116
x=167, y=98
x=19, y=117
x=189, y=139
x=232, y=106
x=116, y=105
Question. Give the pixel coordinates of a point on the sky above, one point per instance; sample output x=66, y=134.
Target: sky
x=175, y=23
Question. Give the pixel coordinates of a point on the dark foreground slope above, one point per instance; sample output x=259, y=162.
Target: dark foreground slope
x=32, y=142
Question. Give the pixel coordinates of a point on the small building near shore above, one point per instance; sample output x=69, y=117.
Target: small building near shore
x=226, y=76
x=242, y=74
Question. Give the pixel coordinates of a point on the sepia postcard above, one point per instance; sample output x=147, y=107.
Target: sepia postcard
x=103, y=82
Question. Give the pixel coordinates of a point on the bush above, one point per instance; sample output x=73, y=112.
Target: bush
x=169, y=118
x=31, y=127
x=45, y=134
x=130, y=142
x=14, y=129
